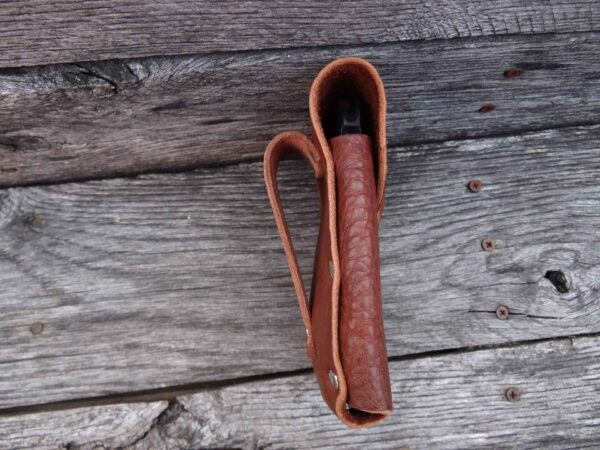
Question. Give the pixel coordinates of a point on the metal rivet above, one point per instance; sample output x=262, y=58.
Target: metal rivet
x=502, y=312
x=488, y=245
x=331, y=269
x=333, y=379
x=512, y=394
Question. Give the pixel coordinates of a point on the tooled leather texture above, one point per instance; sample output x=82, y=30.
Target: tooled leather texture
x=361, y=335
x=323, y=315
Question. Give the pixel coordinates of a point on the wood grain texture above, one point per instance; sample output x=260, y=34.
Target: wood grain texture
x=111, y=426
x=455, y=401
x=447, y=401
x=39, y=31
x=172, y=279
x=86, y=121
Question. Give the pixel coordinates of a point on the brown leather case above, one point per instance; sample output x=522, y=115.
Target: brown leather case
x=343, y=320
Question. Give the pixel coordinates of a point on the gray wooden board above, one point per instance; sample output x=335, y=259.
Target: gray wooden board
x=41, y=31
x=171, y=279
x=85, y=121
x=113, y=426
x=447, y=401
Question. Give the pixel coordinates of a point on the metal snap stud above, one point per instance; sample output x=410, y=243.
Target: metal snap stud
x=333, y=379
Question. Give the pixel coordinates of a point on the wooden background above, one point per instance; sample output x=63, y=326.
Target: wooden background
x=145, y=301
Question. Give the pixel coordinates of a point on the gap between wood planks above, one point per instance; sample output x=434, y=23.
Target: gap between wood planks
x=171, y=393
x=257, y=159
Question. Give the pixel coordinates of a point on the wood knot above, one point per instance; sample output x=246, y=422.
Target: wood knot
x=33, y=221
x=559, y=280
x=24, y=144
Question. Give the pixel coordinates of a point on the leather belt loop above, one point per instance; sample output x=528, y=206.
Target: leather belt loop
x=280, y=146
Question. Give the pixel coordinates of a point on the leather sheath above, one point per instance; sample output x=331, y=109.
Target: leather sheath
x=343, y=318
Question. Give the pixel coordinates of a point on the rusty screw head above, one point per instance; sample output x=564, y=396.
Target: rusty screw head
x=475, y=185
x=513, y=73
x=487, y=108
x=512, y=394
x=502, y=312
x=488, y=245
x=36, y=328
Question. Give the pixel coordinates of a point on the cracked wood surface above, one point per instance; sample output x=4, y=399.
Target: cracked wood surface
x=455, y=401
x=36, y=32
x=110, y=426
x=105, y=119
x=132, y=284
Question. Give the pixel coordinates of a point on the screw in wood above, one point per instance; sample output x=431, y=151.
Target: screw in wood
x=488, y=245
x=474, y=185
x=502, y=312
x=36, y=328
x=512, y=394
x=513, y=73
x=487, y=108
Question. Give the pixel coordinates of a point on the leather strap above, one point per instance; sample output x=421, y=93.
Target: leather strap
x=281, y=146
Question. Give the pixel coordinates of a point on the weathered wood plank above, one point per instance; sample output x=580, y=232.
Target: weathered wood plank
x=454, y=401
x=119, y=118
x=111, y=426
x=42, y=31
x=446, y=401
x=173, y=279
